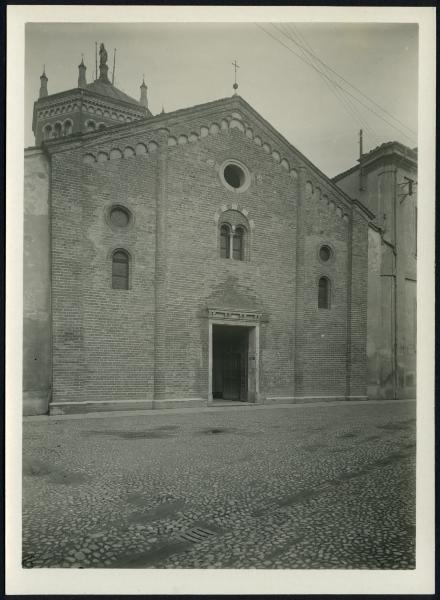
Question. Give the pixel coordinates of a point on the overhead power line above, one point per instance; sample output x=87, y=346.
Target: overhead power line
x=346, y=101
x=324, y=64
x=349, y=94
x=335, y=83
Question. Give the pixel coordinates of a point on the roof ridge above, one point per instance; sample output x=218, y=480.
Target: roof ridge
x=101, y=87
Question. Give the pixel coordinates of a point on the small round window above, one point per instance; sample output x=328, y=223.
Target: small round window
x=325, y=253
x=119, y=217
x=234, y=176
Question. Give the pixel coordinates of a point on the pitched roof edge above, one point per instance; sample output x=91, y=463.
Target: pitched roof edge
x=160, y=121
x=375, y=227
x=293, y=149
x=367, y=212
x=345, y=173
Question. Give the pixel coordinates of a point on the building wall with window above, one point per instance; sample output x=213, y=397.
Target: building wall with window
x=386, y=182
x=159, y=225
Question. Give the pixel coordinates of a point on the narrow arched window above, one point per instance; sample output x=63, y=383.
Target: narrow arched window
x=237, y=244
x=224, y=241
x=324, y=293
x=68, y=127
x=91, y=126
x=120, y=265
x=47, y=132
x=58, y=129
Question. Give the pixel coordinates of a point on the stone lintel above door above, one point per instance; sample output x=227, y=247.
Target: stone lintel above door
x=228, y=315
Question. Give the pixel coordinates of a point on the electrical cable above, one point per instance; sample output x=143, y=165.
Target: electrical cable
x=337, y=84
x=310, y=51
x=346, y=101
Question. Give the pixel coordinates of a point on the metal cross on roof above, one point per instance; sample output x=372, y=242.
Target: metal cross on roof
x=236, y=66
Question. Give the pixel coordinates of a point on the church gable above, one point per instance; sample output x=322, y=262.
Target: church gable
x=199, y=124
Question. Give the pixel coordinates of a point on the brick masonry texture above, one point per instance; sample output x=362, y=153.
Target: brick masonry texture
x=151, y=341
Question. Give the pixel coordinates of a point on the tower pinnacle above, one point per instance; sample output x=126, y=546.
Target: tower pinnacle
x=82, y=82
x=43, y=84
x=144, y=99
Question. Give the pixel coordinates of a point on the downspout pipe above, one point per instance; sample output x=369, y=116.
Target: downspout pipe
x=395, y=281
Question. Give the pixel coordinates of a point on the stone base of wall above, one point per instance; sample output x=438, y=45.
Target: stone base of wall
x=180, y=403
x=375, y=392
x=310, y=399
x=69, y=408
x=36, y=403
x=66, y=408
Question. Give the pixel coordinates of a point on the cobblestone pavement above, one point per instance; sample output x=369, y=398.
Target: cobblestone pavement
x=318, y=486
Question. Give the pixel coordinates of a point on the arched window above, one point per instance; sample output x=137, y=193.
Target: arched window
x=238, y=244
x=120, y=265
x=90, y=126
x=101, y=126
x=67, y=127
x=47, y=132
x=324, y=293
x=58, y=129
x=233, y=236
x=224, y=241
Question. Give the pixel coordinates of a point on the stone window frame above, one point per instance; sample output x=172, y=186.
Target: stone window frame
x=107, y=214
x=243, y=167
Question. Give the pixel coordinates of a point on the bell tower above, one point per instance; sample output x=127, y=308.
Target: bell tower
x=87, y=108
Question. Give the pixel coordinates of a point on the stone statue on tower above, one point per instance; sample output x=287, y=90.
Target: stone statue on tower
x=103, y=67
x=102, y=55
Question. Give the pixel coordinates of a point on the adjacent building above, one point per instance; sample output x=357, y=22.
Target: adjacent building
x=385, y=181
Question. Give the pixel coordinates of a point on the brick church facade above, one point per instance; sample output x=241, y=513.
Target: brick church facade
x=184, y=259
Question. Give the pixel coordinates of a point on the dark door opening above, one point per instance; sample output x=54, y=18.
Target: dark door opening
x=229, y=362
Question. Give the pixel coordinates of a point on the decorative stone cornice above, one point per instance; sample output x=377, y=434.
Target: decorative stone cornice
x=234, y=315
x=222, y=116
x=232, y=122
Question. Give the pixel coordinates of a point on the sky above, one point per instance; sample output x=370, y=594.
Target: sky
x=186, y=64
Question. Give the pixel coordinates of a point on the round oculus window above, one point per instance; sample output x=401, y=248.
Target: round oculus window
x=119, y=217
x=325, y=253
x=234, y=176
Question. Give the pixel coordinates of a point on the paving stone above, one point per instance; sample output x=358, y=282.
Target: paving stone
x=274, y=489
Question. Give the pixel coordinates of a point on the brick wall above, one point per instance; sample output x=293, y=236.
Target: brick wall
x=357, y=318
x=103, y=338
x=151, y=341
x=36, y=285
